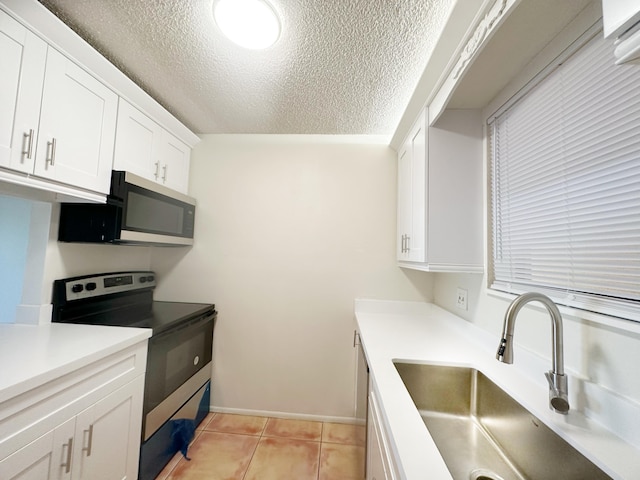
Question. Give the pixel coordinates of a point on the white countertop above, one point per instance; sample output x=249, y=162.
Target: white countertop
x=31, y=355
x=426, y=333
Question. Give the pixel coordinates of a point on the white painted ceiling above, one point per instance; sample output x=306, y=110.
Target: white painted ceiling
x=339, y=67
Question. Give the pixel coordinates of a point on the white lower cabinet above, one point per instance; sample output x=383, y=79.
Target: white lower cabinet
x=380, y=463
x=99, y=441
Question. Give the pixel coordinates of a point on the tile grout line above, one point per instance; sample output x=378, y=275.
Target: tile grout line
x=320, y=451
x=244, y=475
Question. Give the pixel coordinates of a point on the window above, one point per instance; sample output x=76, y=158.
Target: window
x=565, y=185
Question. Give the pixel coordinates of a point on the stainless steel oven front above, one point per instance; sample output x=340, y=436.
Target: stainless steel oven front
x=179, y=363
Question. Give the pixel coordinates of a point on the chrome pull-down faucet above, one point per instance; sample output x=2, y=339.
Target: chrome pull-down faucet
x=558, y=390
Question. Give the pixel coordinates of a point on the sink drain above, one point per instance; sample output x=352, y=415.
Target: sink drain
x=484, y=475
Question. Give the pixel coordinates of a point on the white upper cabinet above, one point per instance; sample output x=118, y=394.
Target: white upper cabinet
x=77, y=126
x=138, y=140
x=22, y=63
x=145, y=148
x=440, y=194
x=174, y=159
x=59, y=112
x=412, y=162
x=57, y=122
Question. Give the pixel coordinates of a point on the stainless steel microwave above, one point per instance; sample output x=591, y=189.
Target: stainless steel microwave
x=138, y=211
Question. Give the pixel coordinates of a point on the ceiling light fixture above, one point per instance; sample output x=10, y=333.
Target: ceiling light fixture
x=249, y=23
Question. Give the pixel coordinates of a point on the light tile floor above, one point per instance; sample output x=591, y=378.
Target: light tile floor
x=240, y=447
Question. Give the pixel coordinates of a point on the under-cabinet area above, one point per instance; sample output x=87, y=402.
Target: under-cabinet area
x=74, y=408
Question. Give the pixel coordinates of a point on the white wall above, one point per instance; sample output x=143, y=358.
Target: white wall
x=289, y=230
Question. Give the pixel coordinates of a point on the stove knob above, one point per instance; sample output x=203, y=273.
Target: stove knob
x=150, y=278
x=77, y=288
x=91, y=286
x=143, y=279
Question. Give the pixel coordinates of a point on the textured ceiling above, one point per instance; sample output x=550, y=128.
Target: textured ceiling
x=339, y=67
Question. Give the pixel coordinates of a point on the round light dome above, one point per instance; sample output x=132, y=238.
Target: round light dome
x=249, y=23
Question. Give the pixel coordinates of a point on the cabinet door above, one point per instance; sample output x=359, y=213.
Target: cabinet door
x=174, y=158
x=375, y=465
x=77, y=126
x=22, y=62
x=108, y=436
x=412, y=200
x=62, y=452
x=418, y=146
x=138, y=143
x=404, y=201
x=31, y=462
x=380, y=465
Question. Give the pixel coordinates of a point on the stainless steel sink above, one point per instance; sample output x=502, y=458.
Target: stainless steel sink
x=482, y=433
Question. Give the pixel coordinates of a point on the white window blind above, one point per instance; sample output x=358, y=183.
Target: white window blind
x=565, y=186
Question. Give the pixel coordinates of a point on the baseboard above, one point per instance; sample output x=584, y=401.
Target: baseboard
x=293, y=416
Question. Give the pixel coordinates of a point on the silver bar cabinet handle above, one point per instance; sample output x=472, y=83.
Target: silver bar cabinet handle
x=67, y=464
x=408, y=243
x=90, y=442
x=51, y=149
x=29, y=151
x=157, y=174
x=164, y=172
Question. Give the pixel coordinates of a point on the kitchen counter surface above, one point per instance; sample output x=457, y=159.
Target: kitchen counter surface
x=31, y=355
x=426, y=333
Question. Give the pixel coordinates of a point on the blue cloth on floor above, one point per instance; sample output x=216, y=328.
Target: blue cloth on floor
x=183, y=431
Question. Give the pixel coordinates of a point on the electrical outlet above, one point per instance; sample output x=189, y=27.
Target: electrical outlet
x=461, y=299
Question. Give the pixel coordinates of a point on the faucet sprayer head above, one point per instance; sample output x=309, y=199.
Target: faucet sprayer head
x=505, y=349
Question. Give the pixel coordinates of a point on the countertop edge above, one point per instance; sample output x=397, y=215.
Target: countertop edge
x=50, y=351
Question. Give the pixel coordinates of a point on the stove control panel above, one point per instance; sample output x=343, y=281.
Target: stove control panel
x=78, y=288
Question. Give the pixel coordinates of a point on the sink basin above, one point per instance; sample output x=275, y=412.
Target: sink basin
x=482, y=433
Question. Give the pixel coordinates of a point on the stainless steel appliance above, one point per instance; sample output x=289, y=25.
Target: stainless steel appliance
x=138, y=211
x=179, y=361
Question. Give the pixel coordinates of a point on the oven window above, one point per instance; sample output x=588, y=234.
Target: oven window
x=153, y=215
x=174, y=357
x=182, y=359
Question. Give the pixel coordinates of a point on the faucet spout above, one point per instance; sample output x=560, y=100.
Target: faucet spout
x=558, y=390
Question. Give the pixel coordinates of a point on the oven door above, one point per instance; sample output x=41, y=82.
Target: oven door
x=178, y=364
